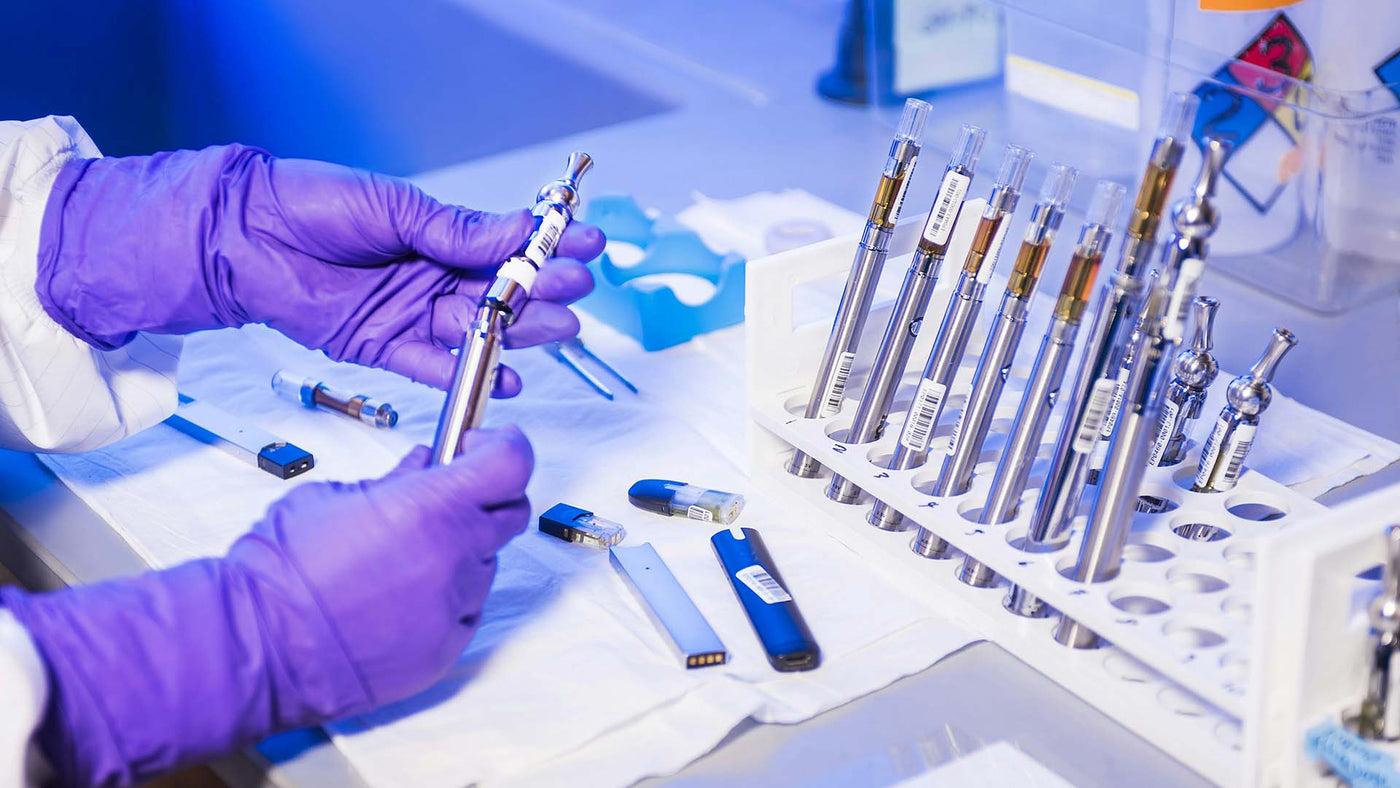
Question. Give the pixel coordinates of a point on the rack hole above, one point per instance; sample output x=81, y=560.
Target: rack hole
x=1189, y=635
x=880, y=456
x=1146, y=549
x=1156, y=504
x=1196, y=578
x=1138, y=601
x=1201, y=532
x=838, y=431
x=1237, y=608
x=1234, y=667
x=1179, y=702
x=1256, y=509
x=797, y=403
x=1126, y=668
x=1240, y=555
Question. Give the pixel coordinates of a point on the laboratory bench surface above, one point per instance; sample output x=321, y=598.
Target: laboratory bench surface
x=734, y=132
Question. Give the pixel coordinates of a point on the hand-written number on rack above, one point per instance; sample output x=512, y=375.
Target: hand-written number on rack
x=1132, y=622
x=838, y=448
x=931, y=505
x=1188, y=658
x=1233, y=688
x=974, y=532
x=1078, y=592
x=1023, y=563
x=882, y=475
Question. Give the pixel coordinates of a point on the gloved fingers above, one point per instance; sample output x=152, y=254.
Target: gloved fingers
x=563, y=281
x=423, y=362
x=493, y=468
x=541, y=322
x=464, y=238
x=509, y=520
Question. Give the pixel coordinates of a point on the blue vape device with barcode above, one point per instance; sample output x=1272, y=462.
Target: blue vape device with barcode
x=766, y=600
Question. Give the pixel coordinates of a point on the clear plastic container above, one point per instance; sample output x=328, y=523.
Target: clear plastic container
x=1311, y=200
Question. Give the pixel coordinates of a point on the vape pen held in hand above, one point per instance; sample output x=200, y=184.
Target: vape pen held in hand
x=764, y=595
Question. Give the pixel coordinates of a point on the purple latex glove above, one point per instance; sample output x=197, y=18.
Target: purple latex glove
x=344, y=597
x=365, y=267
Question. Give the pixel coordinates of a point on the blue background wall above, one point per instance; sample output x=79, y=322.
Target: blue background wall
x=401, y=87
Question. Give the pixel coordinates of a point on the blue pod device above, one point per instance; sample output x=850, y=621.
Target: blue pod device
x=770, y=608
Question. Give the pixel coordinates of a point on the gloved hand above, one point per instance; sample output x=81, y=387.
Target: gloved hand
x=344, y=597
x=365, y=267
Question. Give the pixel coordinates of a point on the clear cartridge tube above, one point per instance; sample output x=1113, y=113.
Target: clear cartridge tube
x=912, y=303
x=953, y=333
x=834, y=370
x=313, y=393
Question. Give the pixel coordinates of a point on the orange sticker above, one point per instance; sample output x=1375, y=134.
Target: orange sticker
x=1245, y=5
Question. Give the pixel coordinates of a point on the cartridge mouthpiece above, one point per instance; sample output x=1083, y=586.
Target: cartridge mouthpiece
x=1006, y=192
x=1178, y=114
x=1203, y=337
x=911, y=123
x=564, y=191
x=968, y=149
x=1197, y=216
x=1280, y=343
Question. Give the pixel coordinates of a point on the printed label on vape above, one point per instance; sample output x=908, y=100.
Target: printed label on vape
x=831, y=403
x=1166, y=428
x=989, y=263
x=957, y=432
x=699, y=513
x=1240, y=444
x=545, y=237
x=945, y=209
x=1095, y=410
x=918, y=431
x=903, y=189
x=760, y=582
x=1120, y=385
x=1211, y=453
x=1174, y=327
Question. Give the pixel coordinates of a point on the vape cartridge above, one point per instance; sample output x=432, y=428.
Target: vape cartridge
x=951, y=340
x=912, y=303
x=573, y=524
x=829, y=389
x=678, y=499
x=1164, y=314
x=1222, y=458
x=1192, y=373
x=993, y=369
x=1088, y=402
x=312, y=393
x=1380, y=711
x=1014, y=467
x=478, y=360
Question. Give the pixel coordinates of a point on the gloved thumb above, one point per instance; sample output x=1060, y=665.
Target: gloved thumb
x=475, y=239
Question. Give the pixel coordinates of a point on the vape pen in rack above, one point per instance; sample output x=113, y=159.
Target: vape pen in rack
x=912, y=303
x=1222, y=457
x=1088, y=402
x=953, y=333
x=829, y=388
x=1164, y=325
x=1192, y=373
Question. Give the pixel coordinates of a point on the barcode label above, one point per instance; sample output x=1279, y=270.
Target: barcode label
x=1166, y=428
x=761, y=583
x=545, y=237
x=1120, y=385
x=1094, y=412
x=957, y=431
x=989, y=263
x=1174, y=328
x=836, y=392
x=903, y=189
x=1211, y=453
x=945, y=209
x=923, y=414
x=1240, y=444
x=699, y=513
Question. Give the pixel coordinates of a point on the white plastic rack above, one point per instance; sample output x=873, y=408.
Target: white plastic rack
x=1183, y=666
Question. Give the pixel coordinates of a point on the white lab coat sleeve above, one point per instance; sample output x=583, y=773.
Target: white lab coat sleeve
x=58, y=393
x=23, y=693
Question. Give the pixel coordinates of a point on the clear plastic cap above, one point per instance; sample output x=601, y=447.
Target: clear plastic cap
x=911, y=123
x=1177, y=115
x=1058, y=184
x=293, y=385
x=968, y=149
x=1014, y=166
x=1104, y=205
